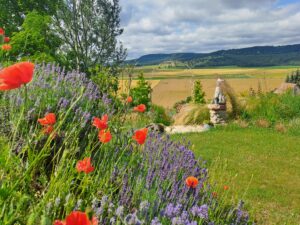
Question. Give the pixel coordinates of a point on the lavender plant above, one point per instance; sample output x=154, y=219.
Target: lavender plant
x=129, y=184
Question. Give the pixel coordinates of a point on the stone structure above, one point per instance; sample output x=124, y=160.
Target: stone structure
x=217, y=109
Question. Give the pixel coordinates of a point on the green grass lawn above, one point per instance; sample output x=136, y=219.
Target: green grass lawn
x=260, y=166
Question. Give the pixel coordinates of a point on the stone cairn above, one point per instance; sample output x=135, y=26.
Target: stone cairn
x=217, y=108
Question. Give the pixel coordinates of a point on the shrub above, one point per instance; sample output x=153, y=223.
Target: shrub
x=198, y=93
x=160, y=115
x=198, y=115
x=141, y=94
x=273, y=108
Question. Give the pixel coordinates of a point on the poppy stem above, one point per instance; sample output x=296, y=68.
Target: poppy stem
x=26, y=96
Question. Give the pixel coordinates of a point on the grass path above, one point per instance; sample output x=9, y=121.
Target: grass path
x=261, y=166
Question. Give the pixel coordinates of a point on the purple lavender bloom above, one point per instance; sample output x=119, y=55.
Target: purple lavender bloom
x=172, y=211
x=155, y=221
x=120, y=211
x=177, y=221
x=201, y=211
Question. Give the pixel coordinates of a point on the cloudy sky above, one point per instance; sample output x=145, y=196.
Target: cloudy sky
x=167, y=26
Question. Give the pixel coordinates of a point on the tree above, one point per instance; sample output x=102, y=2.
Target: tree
x=198, y=93
x=89, y=29
x=35, y=40
x=12, y=12
x=141, y=94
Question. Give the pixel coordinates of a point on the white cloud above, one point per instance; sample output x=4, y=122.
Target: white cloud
x=165, y=26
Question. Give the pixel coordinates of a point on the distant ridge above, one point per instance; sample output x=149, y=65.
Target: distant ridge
x=245, y=57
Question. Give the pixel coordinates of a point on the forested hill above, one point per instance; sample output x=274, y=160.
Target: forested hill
x=245, y=57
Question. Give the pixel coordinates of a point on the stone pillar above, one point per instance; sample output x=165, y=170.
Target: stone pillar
x=217, y=109
x=218, y=114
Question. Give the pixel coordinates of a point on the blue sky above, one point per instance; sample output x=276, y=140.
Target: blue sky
x=166, y=26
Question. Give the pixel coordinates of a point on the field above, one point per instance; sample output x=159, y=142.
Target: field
x=172, y=85
x=260, y=166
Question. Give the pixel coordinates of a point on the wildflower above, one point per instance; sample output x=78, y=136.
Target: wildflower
x=59, y=222
x=104, y=136
x=225, y=187
x=155, y=221
x=77, y=218
x=120, y=211
x=49, y=119
x=172, y=211
x=94, y=221
x=215, y=194
x=201, y=211
x=191, y=182
x=14, y=76
x=48, y=129
x=85, y=165
x=140, y=136
x=101, y=123
x=6, y=39
x=1, y=31
x=129, y=99
x=140, y=108
x=6, y=47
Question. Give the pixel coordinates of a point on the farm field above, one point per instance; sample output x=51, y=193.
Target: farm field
x=260, y=166
x=172, y=85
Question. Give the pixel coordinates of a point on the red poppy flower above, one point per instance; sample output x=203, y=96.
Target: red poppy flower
x=129, y=99
x=49, y=119
x=140, y=108
x=85, y=165
x=6, y=47
x=191, y=182
x=48, y=129
x=104, y=136
x=14, y=76
x=140, y=136
x=77, y=218
x=6, y=39
x=59, y=222
x=101, y=123
x=95, y=221
x=215, y=194
x=226, y=187
x=1, y=31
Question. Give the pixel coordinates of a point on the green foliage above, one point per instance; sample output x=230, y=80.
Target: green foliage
x=177, y=105
x=12, y=11
x=159, y=115
x=35, y=40
x=141, y=94
x=258, y=164
x=106, y=82
x=89, y=33
x=198, y=93
x=198, y=115
x=273, y=107
x=294, y=78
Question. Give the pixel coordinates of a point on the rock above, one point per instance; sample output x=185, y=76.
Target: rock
x=180, y=129
x=156, y=128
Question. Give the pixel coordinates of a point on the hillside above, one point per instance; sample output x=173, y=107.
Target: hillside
x=244, y=57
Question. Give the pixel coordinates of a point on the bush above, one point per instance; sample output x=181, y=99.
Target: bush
x=141, y=94
x=198, y=93
x=160, y=116
x=198, y=115
x=273, y=108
